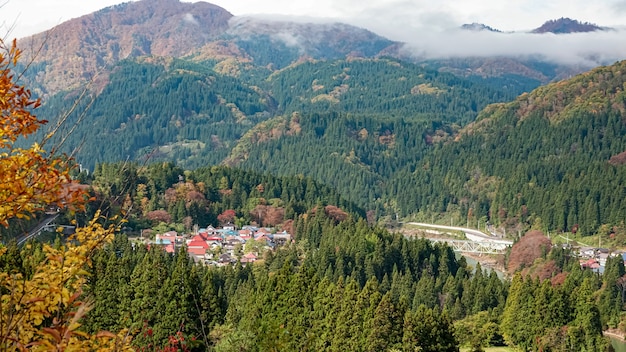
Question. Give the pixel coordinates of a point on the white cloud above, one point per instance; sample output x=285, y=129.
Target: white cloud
x=34, y=16
x=507, y=15
x=189, y=18
x=587, y=49
x=39, y=15
x=427, y=26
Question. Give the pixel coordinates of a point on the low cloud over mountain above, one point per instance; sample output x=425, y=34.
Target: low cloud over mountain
x=77, y=49
x=588, y=49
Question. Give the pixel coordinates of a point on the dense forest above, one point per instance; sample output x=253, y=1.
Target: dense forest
x=409, y=293
x=372, y=127
x=325, y=152
x=163, y=192
x=550, y=158
x=200, y=115
x=342, y=285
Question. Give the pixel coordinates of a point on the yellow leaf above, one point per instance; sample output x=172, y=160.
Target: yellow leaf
x=44, y=307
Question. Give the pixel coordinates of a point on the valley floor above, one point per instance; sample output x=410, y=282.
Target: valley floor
x=488, y=261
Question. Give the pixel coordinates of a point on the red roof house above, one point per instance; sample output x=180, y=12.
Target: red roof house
x=197, y=247
x=249, y=258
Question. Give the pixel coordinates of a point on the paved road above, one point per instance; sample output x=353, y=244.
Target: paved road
x=614, y=335
x=471, y=234
x=37, y=229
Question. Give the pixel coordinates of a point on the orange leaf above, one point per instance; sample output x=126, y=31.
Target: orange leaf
x=104, y=333
x=53, y=332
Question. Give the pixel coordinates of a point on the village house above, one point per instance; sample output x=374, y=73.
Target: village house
x=249, y=258
x=197, y=248
x=169, y=240
x=281, y=238
x=226, y=259
x=226, y=243
x=246, y=234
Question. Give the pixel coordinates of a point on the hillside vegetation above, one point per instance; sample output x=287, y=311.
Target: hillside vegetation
x=339, y=283
x=465, y=139
x=543, y=159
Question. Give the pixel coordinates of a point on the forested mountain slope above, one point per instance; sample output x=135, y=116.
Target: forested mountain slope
x=160, y=107
x=551, y=157
x=185, y=111
x=362, y=118
x=382, y=86
x=374, y=127
x=323, y=100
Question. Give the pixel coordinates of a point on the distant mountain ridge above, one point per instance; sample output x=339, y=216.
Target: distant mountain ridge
x=565, y=25
x=331, y=40
x=75, y=51
x=562, y=25
x=596, y=92
x=479, y=27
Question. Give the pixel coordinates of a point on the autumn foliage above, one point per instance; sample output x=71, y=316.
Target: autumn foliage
x=226, y=216
x=530, y=247
x=28, y=179
x=267, y=215
x=42, y=310
x=335, y=213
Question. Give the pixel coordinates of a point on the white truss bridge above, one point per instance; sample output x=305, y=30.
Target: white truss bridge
x=477, y=242
x=487, y=247
x=46, y=224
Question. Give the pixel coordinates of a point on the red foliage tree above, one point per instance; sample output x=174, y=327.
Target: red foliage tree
x=170, y=196
x=335, y=213
x=194, y=196
x=533, y=245
x=268, y=215
x=619, y=159
x=159, y=216
x=288, y=226
x=258, y=213
x=274, y=216
x=226, y=216
x=558, y=279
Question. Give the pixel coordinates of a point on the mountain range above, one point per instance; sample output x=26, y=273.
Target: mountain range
x=567, y=25
x=562, y=25
x=86, y=47
x=497, y=137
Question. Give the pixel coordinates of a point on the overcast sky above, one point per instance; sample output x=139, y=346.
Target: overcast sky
x=425, y=24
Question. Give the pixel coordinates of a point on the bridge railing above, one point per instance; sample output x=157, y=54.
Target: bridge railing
x=487, y=247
